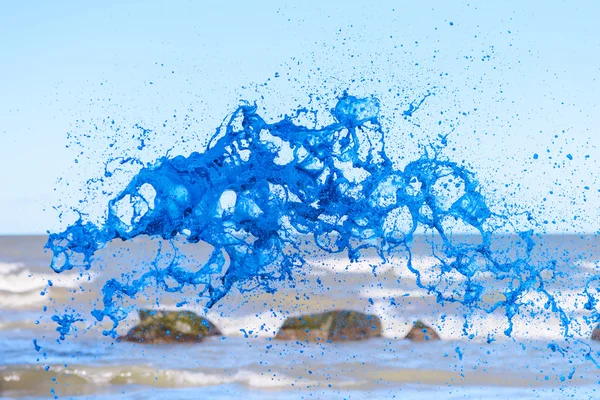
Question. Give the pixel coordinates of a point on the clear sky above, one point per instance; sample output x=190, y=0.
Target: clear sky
x=511, y=79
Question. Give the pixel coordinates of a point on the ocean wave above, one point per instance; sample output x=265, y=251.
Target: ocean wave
x=10, y=300
x=23, y=378
x=7, y=268
x=19, y=325
x=15, y=279
x=347, y=376
x=397, y=266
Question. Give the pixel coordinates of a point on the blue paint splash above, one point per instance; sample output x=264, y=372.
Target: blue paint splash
x=65, y=324
x=459, y=352
x=258, y=186
x=414, y=106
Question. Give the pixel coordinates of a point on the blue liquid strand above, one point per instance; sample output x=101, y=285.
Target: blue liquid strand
x=258, y=186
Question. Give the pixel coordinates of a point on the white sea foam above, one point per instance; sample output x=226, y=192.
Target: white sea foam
x=249, y=378
x=7, y=268
x=20, y=300
x=448, y=320
x=12, y=377
x=265, y=324
x=397, y=265
x=182, y=377
x=23, y=280
x=21, y=288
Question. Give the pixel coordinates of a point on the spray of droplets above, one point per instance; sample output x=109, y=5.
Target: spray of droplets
x=260, y=186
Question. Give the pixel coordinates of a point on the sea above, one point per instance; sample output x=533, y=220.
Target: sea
x=474, y=360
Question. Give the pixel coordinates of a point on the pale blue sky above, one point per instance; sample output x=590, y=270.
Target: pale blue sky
x=530, y=69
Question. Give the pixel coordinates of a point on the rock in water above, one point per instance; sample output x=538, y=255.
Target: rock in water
x=330, y=326
x=159, y=327
x=421, y=332
x=596, y=333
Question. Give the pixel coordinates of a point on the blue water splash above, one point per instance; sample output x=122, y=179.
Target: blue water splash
x=414, y=106
x=65, y=324
x=459, y=352
x=258, y=186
